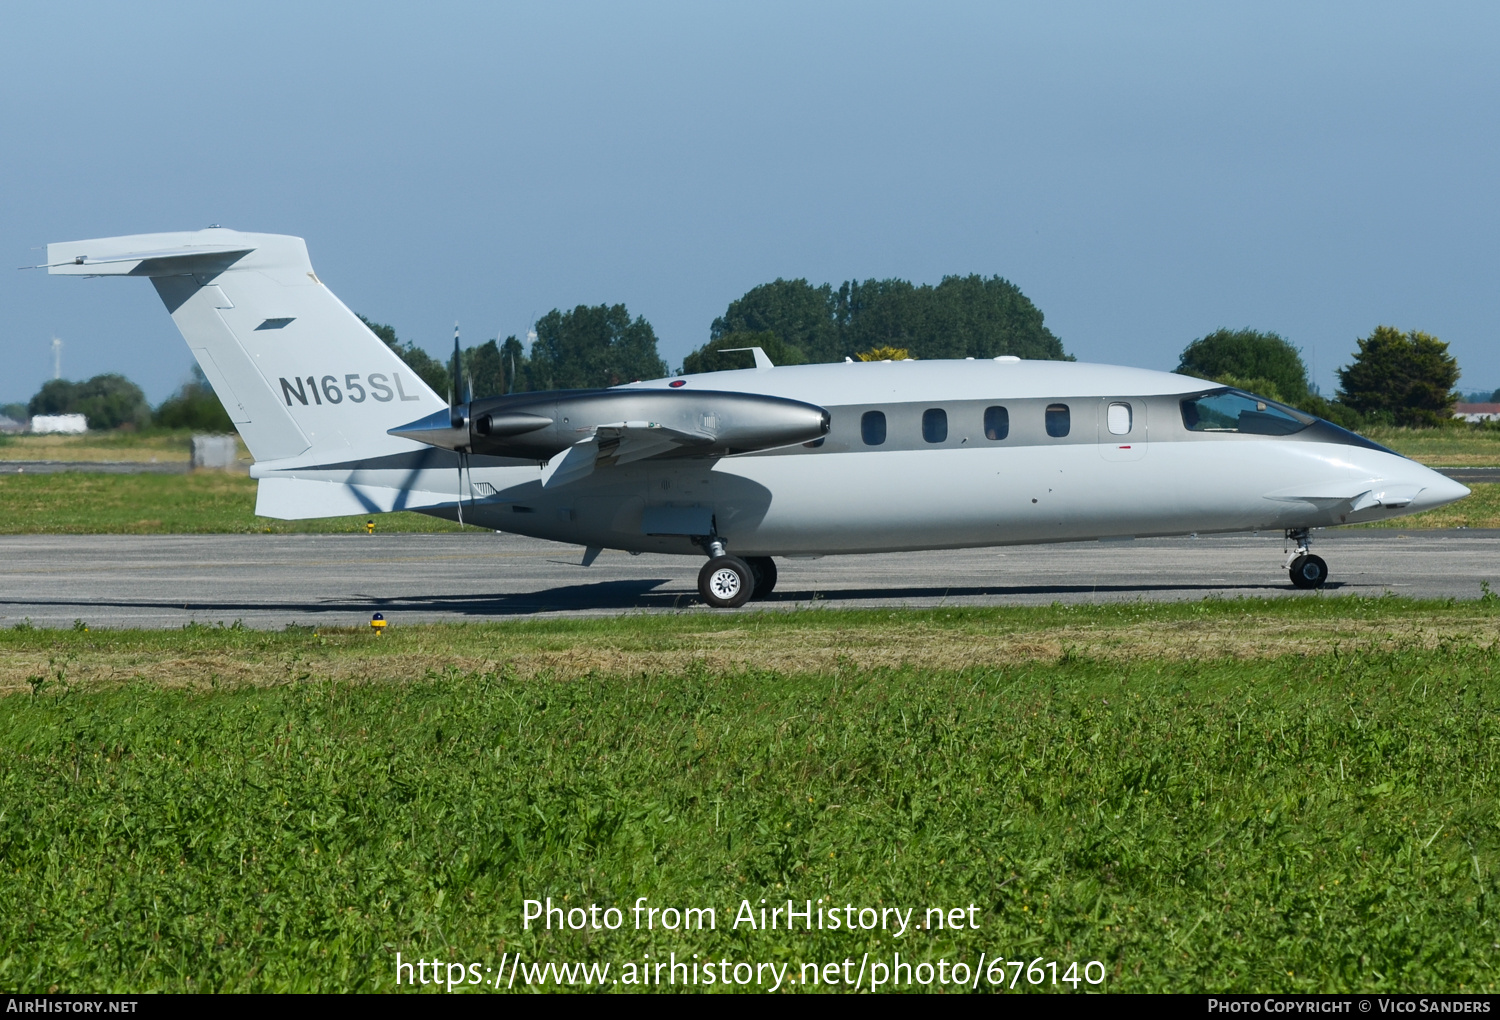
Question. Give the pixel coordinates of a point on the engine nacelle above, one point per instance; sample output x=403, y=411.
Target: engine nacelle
x=538, y=426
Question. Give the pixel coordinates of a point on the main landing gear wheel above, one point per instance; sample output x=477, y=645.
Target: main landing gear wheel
x=726, y=582
x=764, y=569
x=1309, y=571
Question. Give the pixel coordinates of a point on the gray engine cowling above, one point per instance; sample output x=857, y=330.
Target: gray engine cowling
x=538, y=426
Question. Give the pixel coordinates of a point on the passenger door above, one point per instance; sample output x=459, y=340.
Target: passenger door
x=1122, y=428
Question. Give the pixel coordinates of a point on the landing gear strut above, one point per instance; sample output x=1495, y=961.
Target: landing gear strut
x=1306, y=570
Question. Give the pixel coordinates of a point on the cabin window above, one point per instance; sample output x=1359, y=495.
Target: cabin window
x=872, y=428
x=1118, y=419
x=996, y=423
x=934, y=425
x=1058, y=420
x=1236, y=411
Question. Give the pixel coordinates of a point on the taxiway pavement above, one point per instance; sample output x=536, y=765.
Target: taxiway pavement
x=269, y=581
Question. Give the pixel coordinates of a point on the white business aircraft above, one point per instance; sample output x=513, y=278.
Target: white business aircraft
x=743, y=466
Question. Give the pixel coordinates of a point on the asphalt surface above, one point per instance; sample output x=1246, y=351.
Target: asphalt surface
x=269, y=581
x=93, y=467
x=1468, y=476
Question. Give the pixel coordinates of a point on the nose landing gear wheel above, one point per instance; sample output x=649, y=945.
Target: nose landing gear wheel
x=764, y=569
x=726, y=582
x=1309, y=571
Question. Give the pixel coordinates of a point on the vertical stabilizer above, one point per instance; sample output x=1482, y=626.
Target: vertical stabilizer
x=299, y=374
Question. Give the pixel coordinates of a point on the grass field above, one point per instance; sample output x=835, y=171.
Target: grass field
x=205, y=502
x=159, y=445
x=1256, y=795
x=1455, y=446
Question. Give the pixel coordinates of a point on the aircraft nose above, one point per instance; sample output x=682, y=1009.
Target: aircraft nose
x=1438, y=490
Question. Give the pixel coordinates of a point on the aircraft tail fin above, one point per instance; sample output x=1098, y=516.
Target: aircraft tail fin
x=301, y=377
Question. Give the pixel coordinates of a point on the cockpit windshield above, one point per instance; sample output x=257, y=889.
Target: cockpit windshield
x=1229, y=410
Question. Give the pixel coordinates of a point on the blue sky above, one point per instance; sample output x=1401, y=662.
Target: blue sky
x=1145, y=173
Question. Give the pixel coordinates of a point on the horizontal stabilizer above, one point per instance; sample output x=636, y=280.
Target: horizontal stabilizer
x=85, y=258
x=1351, y=497
x=1391, y=497
x=294, y=499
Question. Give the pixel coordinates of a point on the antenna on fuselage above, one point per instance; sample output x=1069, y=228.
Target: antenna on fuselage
x=762, y=361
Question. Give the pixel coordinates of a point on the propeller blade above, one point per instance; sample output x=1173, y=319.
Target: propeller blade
x=455, y=391
x=458, y=418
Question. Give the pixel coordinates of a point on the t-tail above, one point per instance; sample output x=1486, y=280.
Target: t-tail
x=306, y=383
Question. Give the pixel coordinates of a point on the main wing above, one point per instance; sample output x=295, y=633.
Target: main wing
x=619, y=442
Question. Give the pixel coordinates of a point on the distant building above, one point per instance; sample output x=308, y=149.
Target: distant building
x=218, y=452
x=1477, y=412
x=70, y=424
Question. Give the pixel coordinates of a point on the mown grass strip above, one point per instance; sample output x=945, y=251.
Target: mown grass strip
x=797, y=641
x=208, y=502
x=165, y=446
x=1320, y=821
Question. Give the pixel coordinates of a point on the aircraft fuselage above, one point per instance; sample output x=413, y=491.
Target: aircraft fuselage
x=936, y=472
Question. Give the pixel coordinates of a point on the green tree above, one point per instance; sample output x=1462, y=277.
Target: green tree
x=799, y=313
x=963, y=316
x=885, y=354
x=593, y=345
x=57, y=396
x=708, y=359
x=1405, y=378
x=517, y=366
x=432, y=371
x=15, y=412
x=1329, y=410
x=194, y=406
x=879, y=313
x=108, y=401
x=1263, y=363
x=484, y=371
